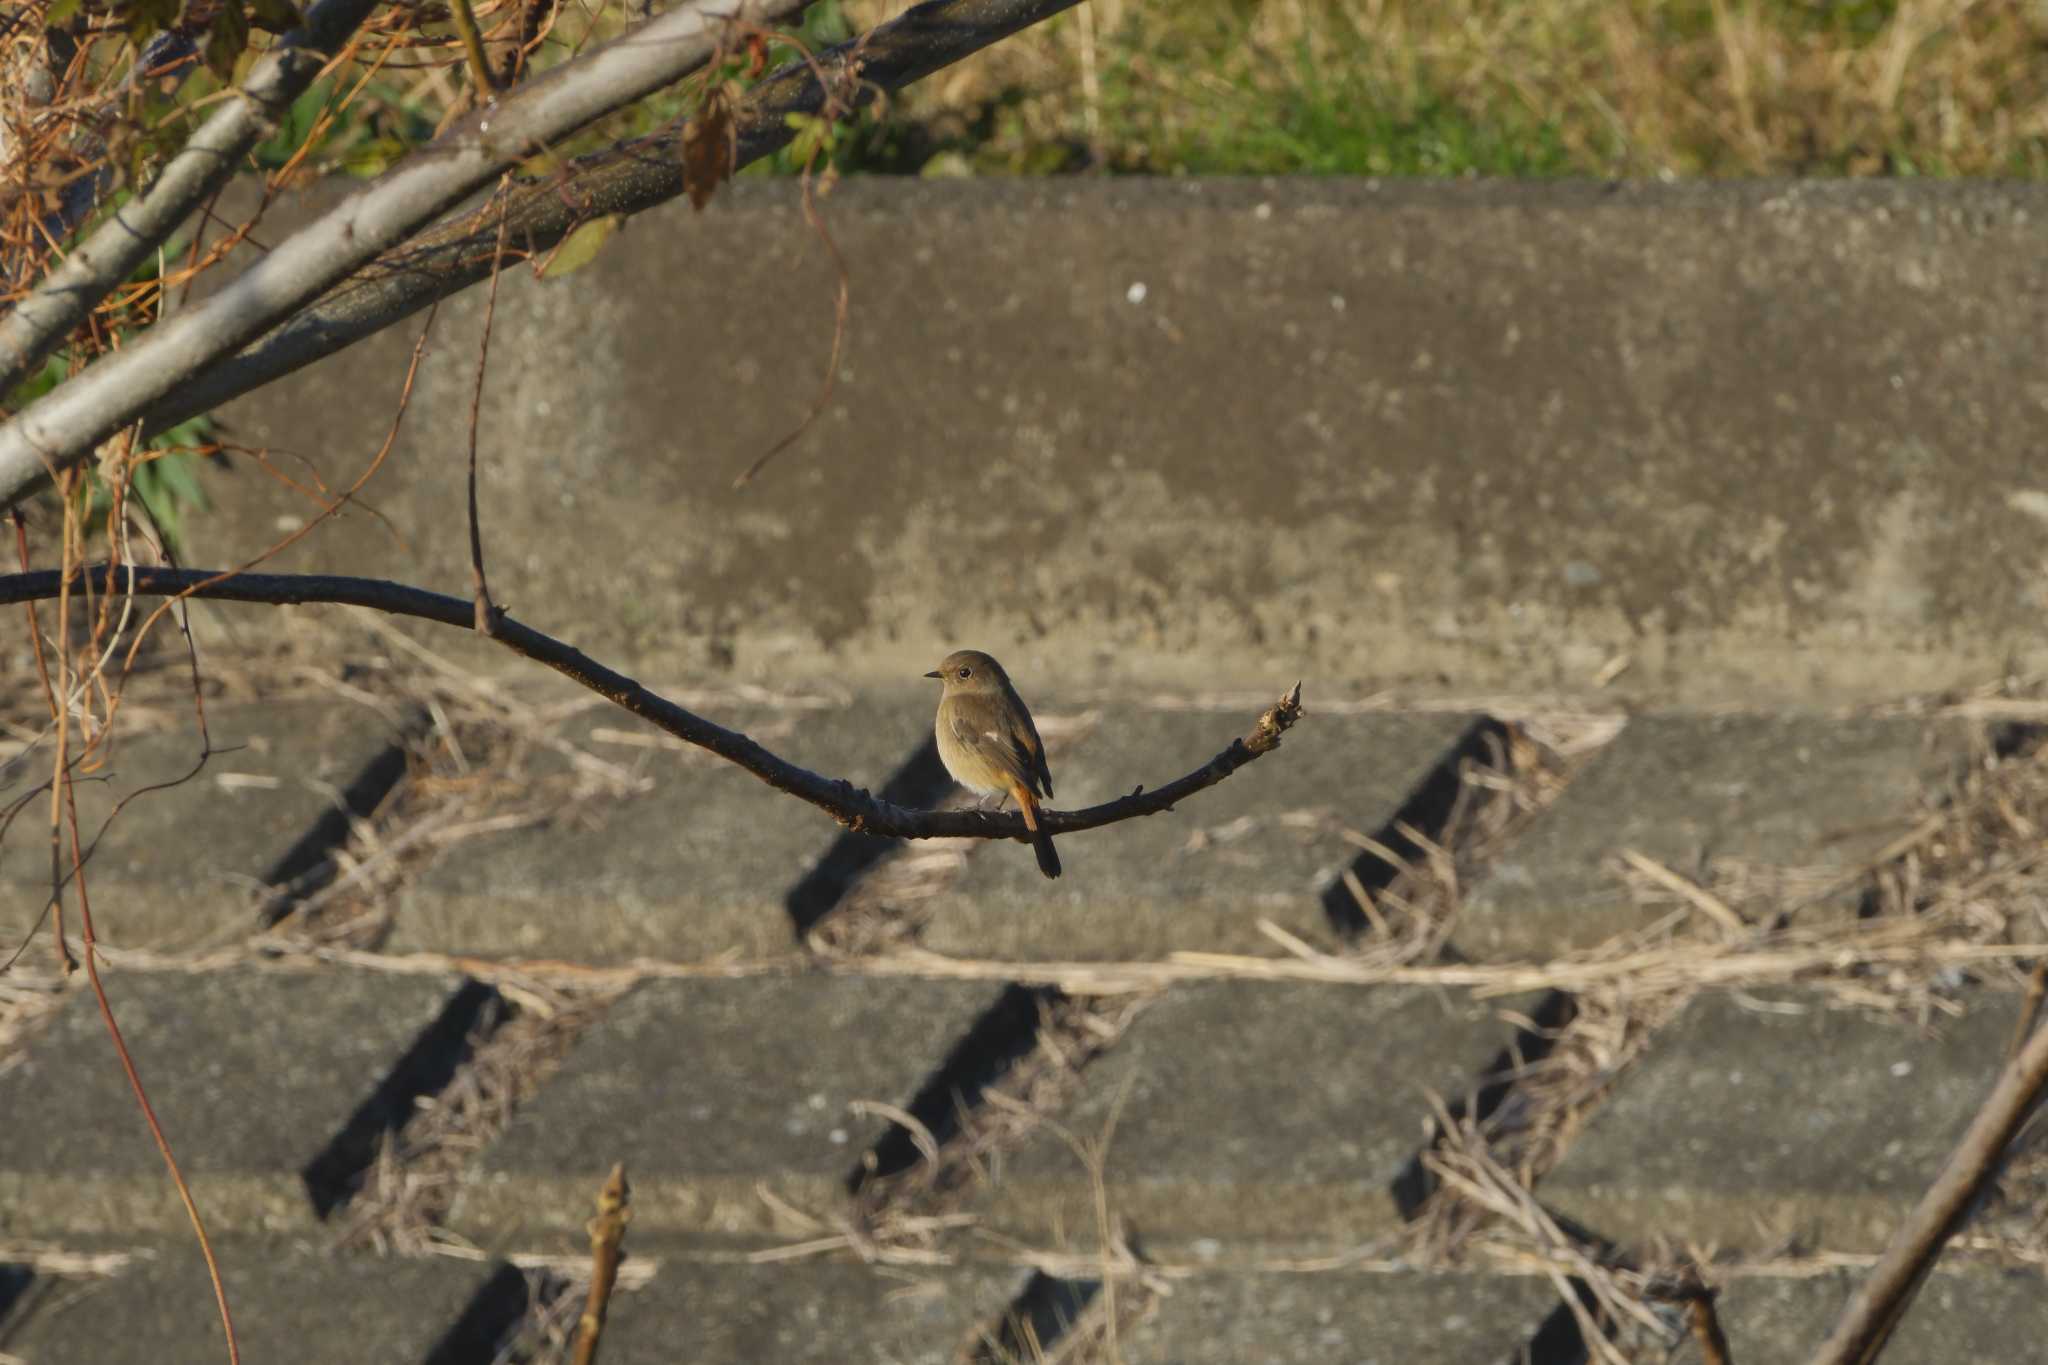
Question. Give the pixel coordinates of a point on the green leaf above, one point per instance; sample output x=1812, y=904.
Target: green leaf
x=60, y=13
x=175, y=479
x=227, y=38
x=580, y=247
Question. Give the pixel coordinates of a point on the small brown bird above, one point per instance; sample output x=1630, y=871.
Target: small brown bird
x=988, y=743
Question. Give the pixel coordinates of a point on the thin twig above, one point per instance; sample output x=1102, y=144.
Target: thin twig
x=149, y=1118
x=39, y=323
x=1867, y=1322
x=2030, y=1009
x=464, y=20
x=607, y=1241
x=851, y=806
x=487, y=615
x=834, y=110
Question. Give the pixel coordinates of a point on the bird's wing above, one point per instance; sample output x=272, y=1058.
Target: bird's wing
x=996, y=747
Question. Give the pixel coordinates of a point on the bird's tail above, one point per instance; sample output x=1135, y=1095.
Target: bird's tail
x=1041, y=842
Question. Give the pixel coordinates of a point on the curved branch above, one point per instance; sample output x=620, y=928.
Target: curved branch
x=64, y=425
x=852, y=806
x=1867, y=1322
x=627, y=179
x=39, y=323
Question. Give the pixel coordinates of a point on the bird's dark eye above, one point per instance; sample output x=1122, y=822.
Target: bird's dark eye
x=966, y=672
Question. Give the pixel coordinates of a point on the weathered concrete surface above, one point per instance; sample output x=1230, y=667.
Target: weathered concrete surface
x=1763, y=440
x=822, y=1312
x=291, y=1303
x=182, y=866
x=1360, y=1319
x=707, y=1090
x=250, y=1073
x=699, y=865
x=1961, y=1313
x=1752, y=1131
x=1262, y=845
x=1773, y=791
x=1248, y=1120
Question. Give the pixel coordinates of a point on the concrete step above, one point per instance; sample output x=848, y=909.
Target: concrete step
x=1807, y=1125
x=819, y=1312
x=1241, y=1121
x=711, y=860
x=1974, y=1313
x=699, y=865
x=254, y=1075
x=1281, y=1318
x=291, y=1302
x=1266, y=843
x=1693, y=791
x=186, y=865
x=709, y=1090
x=295, y=1303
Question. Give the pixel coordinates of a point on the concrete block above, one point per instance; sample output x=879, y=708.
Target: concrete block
x=290, y=1301
x=1265, y=843
x=818, y=1312
x=1743, y=1129
x=706, y=1089
x=1973, y=1313
x=1250, y=1119
x=1359, y=1319
x=251, y=1073
x=182, y=865
x=698, y=866
x=1783, y=789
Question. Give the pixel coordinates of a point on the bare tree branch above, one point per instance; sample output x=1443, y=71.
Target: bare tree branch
x=607, y=1243
x=39, y=323
x=1867, y=1322
x=67, y=423
x=627, y=179
x=852, y=806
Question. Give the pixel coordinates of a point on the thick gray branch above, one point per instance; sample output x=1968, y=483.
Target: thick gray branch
x=73, y=419
x=39, y=323
x=627, y=179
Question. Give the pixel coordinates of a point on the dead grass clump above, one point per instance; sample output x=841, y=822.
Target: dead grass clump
x=406, y=1196
x=1073, y=1030
x=1529, y=765
x=1625, y=1312
x=491, y=760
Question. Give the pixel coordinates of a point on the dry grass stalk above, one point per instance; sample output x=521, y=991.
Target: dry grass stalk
x=1637, y=89
x=1125, y=1287
x=404, y=1203
x=1073, y=1031
x=1529, y=767
x=1525, y=1234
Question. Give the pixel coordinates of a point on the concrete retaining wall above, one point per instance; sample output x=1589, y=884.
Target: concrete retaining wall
x=1733, y=442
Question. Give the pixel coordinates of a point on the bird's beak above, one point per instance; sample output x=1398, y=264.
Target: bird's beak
x=934, y=674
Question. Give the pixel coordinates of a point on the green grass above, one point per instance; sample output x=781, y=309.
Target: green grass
x=1329, y=121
